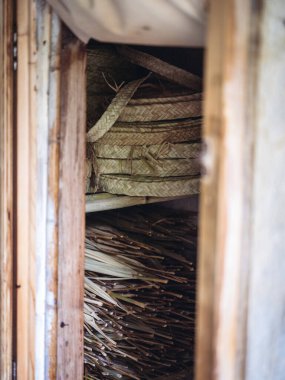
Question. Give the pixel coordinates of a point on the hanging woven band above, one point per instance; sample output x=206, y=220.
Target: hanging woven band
x=162, y=68
x=112, y=113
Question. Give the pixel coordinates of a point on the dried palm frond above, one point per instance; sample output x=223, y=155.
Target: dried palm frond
x=140, y=294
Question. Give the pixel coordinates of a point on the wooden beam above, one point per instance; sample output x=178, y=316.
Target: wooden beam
x=241, y=264
x=106, y=201
x=71, y=210
x=6, y=189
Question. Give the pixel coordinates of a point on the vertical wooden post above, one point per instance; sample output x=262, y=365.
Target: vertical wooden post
x=26, y=195
x=242, y=231
x=50, y=196
x=48, y=36
x=265, y=333
x=38, y=136
x=71, y=210
x=6, y=188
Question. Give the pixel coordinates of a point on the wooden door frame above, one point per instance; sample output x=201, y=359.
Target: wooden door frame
x=6, y=188
x=50, y=200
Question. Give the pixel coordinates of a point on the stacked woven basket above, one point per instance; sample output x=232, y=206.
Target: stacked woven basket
x=147, y=142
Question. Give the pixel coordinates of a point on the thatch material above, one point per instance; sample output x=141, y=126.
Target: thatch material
x=140, y=295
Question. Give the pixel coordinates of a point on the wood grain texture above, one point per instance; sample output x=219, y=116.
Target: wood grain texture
x=6, y=189
x=241, y=272
x=71, y=211
x=38, y=124
x=54, y=131
x=25, y=193
x=48, y=35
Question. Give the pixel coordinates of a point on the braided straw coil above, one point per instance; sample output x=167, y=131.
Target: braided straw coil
x=149, y=186
x=161, y=111
x=174, y=135
x=164, y=98
x=148, y=167
x=164, y=69
x=166, y=150
x=114, y=110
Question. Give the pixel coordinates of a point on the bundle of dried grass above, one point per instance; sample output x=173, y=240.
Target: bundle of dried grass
x=140, y=294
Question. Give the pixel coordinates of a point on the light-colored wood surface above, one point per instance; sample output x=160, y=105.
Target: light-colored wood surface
x=38, y=121
x=71, y=211
x=208, y=212
x=54, y=131
x=25, y=192
x=6, y=189
x=106, y=201
x=225, y=194
x=241, y=256
x=266, y=323
x=48, y=34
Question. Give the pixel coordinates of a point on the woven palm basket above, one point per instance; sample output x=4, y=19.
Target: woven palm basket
x=147, y=142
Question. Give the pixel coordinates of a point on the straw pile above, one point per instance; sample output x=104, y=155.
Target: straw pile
x=140, y=295
x=155, y=123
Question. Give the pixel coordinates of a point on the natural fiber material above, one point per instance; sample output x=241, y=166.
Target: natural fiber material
x=159, y=126
x=104, y=62
x=161, y=111
x=165, y=99
x=174, y=135
x=139, y=305
x=138, y=135
x=114, y=110
x=148, y=167
x=149, y=186
x=166, y=70
x=161, y=151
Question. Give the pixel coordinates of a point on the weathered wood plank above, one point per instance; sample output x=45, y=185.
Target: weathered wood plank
x=54, y=102
x=226, y=193
x=208, y=213
x=266, y=324
x=25, y=197
x=48, y=38
x=38, y=121
x=241, y=270
x=6, y=189
x=71, y=211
